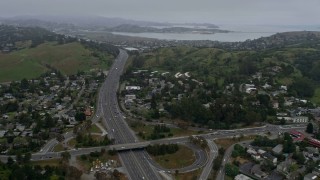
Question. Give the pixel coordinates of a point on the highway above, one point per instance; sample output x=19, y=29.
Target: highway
x=132, y=155
x=134, y=161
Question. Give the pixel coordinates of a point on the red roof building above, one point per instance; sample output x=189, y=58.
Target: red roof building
x=296, y=135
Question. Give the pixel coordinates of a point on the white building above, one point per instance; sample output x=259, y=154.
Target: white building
x=242, y=177
x=128, y=88
x=296, y=119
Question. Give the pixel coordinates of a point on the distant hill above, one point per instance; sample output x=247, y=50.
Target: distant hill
x=279, y=40
x=27, y=52
x=296, y=54
x=10, y=35
x=140, y=29
x=86, y=22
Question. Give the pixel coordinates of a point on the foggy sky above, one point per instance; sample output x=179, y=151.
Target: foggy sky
x=290, y=12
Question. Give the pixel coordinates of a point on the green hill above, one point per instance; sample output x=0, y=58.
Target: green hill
x=68, y=58
x=298, y=62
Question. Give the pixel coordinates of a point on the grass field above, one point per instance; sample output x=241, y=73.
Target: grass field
x=147, y=130
x=227, y=142
x=58, y=147
x=172, y=161
x=50, y=162
x=188, y=176
x=316, y=97
x=72, y=142
x=30, y=63
x=94, y=129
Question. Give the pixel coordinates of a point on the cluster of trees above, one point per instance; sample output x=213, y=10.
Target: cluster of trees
x=299, y=157
x=80, y=116
x=264, y=142
x=238, y=150
x=222, y=114
x=231, y=170
x=308, y=63
x=23, y=169
x=309, y=128
x=162, y=149
x=288, y=145
x=218, y=160
x=159, y=131
x=89, y=141
x=198, y=140
x=302, y=87
x=11, y=106
x=101, y=47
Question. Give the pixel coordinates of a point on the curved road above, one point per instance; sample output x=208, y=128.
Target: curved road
x=200, y=155
x=226, y=158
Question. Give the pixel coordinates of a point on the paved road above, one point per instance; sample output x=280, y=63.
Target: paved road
x=212, y=155
x=226, y=158
x=134, y=161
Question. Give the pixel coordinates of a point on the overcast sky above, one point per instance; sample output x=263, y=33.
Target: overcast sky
x=289, y=12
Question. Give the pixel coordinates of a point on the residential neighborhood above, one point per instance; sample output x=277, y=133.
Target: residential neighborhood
x=293, y=155
x=34, y=111
x=141, y=88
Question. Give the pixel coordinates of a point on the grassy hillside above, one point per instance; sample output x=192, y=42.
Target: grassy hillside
x=68, y=58
x=219, y=67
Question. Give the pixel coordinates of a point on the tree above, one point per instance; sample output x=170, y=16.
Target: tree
x=10, y=161
x=80, y=116
x=303, y=87
x=65, y=156
x=27, y=157
x=217, y=162
x=231, y=170
x=288, y=145
x=153, y=102
x=19, y=158
x=309, y=128
x=299, y=157
x=73, y=173
x=24, y=84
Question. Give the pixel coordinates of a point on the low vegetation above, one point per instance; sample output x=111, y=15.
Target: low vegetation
x=173, y=160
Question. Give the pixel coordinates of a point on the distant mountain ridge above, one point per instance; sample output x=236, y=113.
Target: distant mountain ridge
x=95, y=21
x=139, y=29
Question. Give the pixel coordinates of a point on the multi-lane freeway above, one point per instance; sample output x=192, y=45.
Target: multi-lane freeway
x=134, y=161
x=134, y=158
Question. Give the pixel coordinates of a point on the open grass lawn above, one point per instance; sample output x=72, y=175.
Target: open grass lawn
x=148, y=129
x=72, y=142
x=183, y=157
x=316, y=97
x=94, y=129
x=58, y=147
x=97, y=137
x=189, y=175
x=50, y=162
x=30, y=63
x=227, y=142
x=182, y=132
